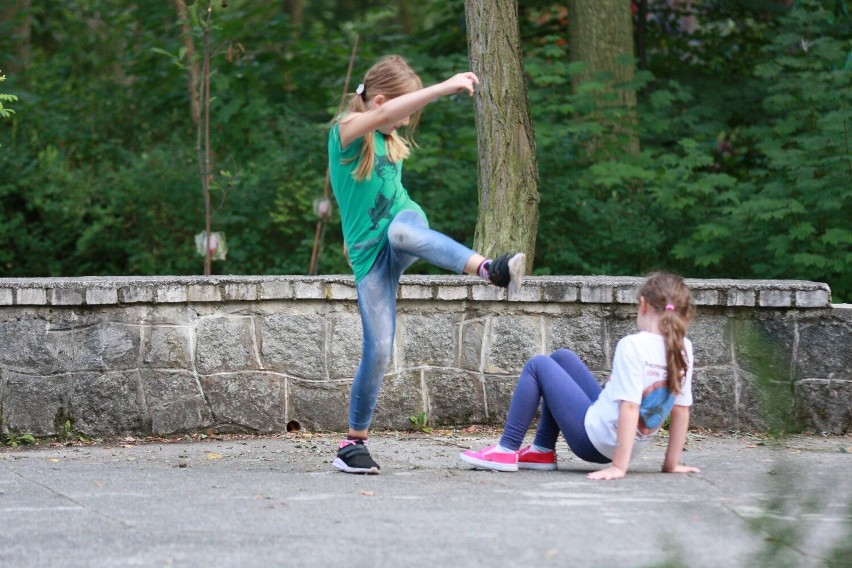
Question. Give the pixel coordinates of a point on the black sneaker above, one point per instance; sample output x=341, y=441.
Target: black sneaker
x=507, y=270
x=354, y=457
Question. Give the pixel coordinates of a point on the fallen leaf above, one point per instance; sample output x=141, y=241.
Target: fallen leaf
x=367, y=493
x=212, y=456
x=54, y=460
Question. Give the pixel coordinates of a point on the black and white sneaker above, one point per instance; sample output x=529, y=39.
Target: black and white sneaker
x=507, y=271
x=354, y=457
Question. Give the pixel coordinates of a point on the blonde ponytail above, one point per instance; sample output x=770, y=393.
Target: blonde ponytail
x=669, y=294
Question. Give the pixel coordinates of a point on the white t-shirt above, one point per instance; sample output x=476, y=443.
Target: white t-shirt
x=638, y=375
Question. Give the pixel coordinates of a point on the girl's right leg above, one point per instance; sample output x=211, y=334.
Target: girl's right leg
x=548, y=429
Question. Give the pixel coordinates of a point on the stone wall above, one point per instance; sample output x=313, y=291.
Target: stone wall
x=165, y=355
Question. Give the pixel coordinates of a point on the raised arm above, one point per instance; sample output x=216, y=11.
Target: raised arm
x=392, y=112
x=628, y=420
x=677, y=439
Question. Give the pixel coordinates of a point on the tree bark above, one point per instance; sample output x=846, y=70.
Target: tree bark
x=601, y=35
x=191, y=61
x=507, y=167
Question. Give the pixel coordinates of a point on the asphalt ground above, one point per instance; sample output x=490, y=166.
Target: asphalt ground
x=276, y=501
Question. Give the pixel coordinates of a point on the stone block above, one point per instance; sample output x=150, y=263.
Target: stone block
x=32, y=297
x=714, y=394
x=345, y=346
x=343, y=292
x=168, y=347
x=498, y=396
x=32, y=403
x=710, y=336
x=776, y=298
x=225, y=344
x=67, y=296
x=28, y=347
x=415, y=292
x=428, y=339
x=486, y=293
x=401, y=397
x=825, y=347
x=7, y=296
x=135, y=294
x=101, y=296
x=249, y=402
x=276, y=290
x=311, y=290
x=239, y=292
x=531, y=294
x=704, y=297
x=813, y=298
x=559, y=292
x=455, y=397
x=824, y=404
x=740, y=297
x=320, y=405
x=512, y=340
x=167, y=294
x=294, y=344
x=105, y=346
x=764, y=346
x=108, y=404
x=449, y=293
x=203, y=293
x=175, y=402
x=470, y=351
x=626, y=295
x=581, y=332
x=596, y=294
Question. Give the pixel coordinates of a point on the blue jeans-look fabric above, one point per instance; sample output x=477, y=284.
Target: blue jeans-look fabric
x=409, y=238
x=566, y=389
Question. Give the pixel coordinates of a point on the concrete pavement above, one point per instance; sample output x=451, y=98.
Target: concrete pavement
x=276, y=501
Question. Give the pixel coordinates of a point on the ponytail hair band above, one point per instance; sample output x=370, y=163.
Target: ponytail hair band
x=670, y=307
x=360, y=90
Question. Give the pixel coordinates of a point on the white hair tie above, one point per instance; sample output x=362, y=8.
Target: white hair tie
x=360, y=89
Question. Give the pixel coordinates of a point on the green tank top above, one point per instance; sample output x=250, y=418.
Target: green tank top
x=367, y=206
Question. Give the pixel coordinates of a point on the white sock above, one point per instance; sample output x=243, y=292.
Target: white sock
x=539, y=449
x=502, y=450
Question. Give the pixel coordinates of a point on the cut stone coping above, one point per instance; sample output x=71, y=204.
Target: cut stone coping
x=116, y=290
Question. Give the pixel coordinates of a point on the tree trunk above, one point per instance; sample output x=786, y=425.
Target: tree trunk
x=601, y=34
x=507, y=166
x=191, y=61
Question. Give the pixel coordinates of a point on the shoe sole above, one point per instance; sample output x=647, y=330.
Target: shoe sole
x=538, y=466
x=517, y=268
x=341, y=465
x=483, y=464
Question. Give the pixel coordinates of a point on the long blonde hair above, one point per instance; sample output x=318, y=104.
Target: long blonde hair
x=670, y=295
x=392, y=77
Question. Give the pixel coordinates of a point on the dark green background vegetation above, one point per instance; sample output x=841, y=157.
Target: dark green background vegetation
x=745, y=168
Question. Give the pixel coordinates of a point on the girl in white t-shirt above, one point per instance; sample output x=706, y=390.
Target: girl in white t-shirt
x=651, y=379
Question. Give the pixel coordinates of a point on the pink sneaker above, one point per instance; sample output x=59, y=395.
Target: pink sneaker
x=490, y=458
x=530, y=459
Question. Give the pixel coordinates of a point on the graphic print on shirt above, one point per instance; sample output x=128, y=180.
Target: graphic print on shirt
x=656, y=403
x=387, y=171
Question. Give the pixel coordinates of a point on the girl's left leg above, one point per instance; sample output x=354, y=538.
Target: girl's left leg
x=411, y=238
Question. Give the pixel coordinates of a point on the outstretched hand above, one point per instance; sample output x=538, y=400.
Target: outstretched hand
x=611, y=472
x=461, y=82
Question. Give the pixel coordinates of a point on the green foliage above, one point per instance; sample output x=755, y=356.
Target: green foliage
x=15, y=440
x=419, y=422
x=744, y=169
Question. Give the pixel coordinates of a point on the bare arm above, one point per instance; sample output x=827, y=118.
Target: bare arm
x=677, y=439
x=628, y=420
x=390, y=112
